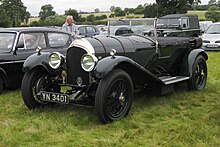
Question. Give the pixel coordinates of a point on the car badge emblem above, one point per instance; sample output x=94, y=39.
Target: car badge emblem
x=79, y=81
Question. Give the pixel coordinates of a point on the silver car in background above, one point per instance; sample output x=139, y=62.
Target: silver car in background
x=204, y=25
x=211, y=38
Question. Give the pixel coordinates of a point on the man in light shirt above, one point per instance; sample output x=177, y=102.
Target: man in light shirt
x=69, y=26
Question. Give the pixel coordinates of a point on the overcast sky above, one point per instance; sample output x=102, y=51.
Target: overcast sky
x=33, y=6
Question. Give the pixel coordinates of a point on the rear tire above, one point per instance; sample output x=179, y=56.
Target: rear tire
x=114, y=96
x=199, y=74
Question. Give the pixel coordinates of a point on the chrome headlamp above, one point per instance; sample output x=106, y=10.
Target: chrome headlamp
x=88, y=62
x=55, y=60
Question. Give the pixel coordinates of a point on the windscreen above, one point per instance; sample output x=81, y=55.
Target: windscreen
x=213, y=29
x=7, y=41
x=164, y=22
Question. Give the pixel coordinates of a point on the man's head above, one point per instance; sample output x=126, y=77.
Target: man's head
x=69, y=19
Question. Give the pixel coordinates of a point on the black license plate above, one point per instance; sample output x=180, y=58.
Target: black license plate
x=212, y=45
x=54, y=97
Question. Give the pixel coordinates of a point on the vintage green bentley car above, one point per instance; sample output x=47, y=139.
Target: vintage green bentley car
x=104, y=71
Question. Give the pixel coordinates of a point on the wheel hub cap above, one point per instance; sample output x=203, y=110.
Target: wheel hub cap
x=122, y=99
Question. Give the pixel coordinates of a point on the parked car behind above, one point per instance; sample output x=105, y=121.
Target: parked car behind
x=88, y=30
x=204, y=25
x=16, y=44
x=211, y=38
x=180, y=25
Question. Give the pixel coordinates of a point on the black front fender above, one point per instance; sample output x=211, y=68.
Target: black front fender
x=36, y=60
x=135, y=70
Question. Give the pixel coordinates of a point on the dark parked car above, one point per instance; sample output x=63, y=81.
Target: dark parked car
x=181, y=25
x=16, y=44
x=107, y=83
x=88, y=30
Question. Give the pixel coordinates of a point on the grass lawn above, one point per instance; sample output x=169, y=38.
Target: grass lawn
x=201, y=14
x=96, y=14
x=180, y=119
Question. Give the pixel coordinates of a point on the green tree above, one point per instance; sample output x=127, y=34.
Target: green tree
x=212, y=2
x=27, y=16
x=112, y=8
x=126, y=10
x=111, y=15
x=131, y=10
x=73, y=13
x=5, y=20
x=35, y=23
x=172, y=6
x=46, y=11
x=56, y=20
x=213, y=14
x=151, y=10
x=15, y=10
x=100, y=17
x=97, y=10
x=90, y=18
x=119, y=12
x=139, y=10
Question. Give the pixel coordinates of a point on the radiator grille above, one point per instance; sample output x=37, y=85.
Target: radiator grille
x=74, y=69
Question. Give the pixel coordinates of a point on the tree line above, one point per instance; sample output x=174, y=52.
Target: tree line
x=13, y=13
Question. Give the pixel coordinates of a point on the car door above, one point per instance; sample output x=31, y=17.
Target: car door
x=145, y=50
x=82, y=31
x=91, y=31
x=7, y=68
x=59, y=42
x=26, y=45
x=171, y=51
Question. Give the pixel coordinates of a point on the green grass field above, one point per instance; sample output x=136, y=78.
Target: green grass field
x=182, y=118
x=96, y=14
x=201, y=14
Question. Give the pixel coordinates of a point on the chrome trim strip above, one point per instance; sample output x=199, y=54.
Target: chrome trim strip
x=19, y=61
x=9, y=62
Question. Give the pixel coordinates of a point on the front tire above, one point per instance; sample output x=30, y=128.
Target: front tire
x=199, y=74
x=33, y=82
x=114, y=96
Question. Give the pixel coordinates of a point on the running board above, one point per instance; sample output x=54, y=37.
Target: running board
x=167, y=80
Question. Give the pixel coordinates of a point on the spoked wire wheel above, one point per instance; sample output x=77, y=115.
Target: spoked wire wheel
x=199, y=74
x=117, y=99
x=114, y=96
